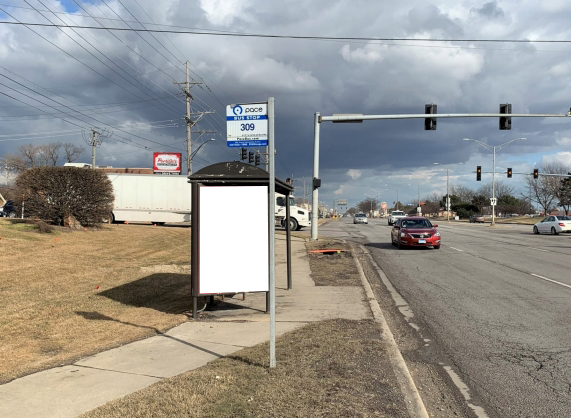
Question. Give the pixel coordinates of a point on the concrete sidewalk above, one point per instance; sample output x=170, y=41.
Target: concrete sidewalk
x=93, y=381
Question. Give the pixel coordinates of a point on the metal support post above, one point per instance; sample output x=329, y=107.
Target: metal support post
x=494, y=189
x=271, y=223
x=93, y=148
x=315, y=196
x=288, y=244
x=447, y=196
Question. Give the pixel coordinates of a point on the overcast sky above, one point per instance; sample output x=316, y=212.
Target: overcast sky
x=124, y=81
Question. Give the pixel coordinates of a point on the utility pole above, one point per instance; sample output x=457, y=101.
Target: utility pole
x=419, y=210
x=189, y=122
x=94, y=140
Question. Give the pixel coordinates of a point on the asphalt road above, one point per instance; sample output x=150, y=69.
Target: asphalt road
x=497, y=302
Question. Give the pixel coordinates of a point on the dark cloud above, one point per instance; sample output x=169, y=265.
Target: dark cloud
x=489, y=10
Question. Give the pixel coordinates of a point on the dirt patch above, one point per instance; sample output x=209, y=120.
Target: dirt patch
x=69, y=294
x=337, y=269
x=326, y=369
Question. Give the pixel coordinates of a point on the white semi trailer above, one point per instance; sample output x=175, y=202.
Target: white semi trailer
x=299, y=217
x=150, y=198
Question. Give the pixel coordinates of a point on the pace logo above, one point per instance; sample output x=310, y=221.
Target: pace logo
x=237, y=110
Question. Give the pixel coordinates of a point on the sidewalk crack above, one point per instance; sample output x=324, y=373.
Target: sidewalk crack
x=117, y=371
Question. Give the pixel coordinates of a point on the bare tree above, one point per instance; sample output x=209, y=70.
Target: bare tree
x=29, y=153
x=464, y=193
x=547, y=190
x=502, y=189
x=368, y=204
x=72, y=152
x=48, y=154
x=12, y=165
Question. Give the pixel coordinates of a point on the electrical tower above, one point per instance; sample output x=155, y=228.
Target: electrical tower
x=93, y=138
x=190, y=122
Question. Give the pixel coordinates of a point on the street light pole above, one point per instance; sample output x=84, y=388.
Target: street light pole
x=191, y=156
x=447, y=190
x=493, y=151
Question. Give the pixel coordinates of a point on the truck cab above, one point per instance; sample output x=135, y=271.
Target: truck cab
x=298, y=217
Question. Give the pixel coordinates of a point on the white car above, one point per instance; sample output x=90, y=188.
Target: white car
x=553, y=225
x=360, y=218
x=395, y=214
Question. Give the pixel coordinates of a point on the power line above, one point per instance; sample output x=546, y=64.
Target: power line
x=135, y=52
x=138, y=34
x=67, y=114
x=98, y=106
x=144, y=89
x=71, y=56
x=301, y=37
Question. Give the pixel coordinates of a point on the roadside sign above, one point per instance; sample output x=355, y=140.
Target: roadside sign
x=247, y=125
x=167, y=163
x=493, y=201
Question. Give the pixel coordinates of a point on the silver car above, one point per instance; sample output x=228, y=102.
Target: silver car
x=360, y=218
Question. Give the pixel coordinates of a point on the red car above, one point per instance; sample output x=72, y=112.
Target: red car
x=415, y=231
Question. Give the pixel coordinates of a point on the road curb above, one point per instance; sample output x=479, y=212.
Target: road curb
x=413, y=401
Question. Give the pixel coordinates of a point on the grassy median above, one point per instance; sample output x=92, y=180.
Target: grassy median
x=326, y=369
x=67, y=294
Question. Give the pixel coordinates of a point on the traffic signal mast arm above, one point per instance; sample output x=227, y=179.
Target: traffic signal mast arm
x=359, y=117
x=528, y=174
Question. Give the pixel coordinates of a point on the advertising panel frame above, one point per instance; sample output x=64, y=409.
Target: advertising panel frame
x=167, y=170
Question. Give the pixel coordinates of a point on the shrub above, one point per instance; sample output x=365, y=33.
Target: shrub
x=43, y=228
x=58, y=193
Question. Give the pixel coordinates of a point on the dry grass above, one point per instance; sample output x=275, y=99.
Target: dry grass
x=69, y=294
x=525, y=220
x=332, y=269
x=326, y=369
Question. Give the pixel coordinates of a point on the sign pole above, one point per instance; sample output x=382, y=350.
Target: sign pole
x=271, y=222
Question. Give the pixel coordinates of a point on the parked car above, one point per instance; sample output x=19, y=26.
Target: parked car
x=395, y=214
x=360, y=218
x=553, y=225
x=8, y=210
x=477, y=218
x=415, y=231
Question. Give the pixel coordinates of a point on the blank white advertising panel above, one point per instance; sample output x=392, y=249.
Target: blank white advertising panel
x=233, y=239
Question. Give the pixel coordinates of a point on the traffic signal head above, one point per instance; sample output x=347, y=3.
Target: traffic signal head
x=535, y=173
x=479, y=173
x=509, y=173
x=505, y=121
x=243, y=153
x=430, y=123
x=257, y=160
x=251, y=157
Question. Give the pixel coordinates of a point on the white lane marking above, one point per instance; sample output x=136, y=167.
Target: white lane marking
x=550, y=280
x=478, y=410
x=457, y=249
x=539, y=249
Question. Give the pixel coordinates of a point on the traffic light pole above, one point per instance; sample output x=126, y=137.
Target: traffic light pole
x=357, y=118
x=493, y=150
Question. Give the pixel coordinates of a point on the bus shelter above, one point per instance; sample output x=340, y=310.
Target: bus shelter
x=230, y=230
